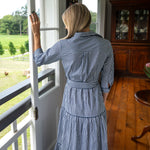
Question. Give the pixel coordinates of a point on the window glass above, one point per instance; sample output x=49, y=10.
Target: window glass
x=14, y=50
x=122, y=24
x=141, y=24
x=92, y=6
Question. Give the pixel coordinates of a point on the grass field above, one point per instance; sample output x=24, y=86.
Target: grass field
x=15, y=71
x=15, y=68
x=17, y=41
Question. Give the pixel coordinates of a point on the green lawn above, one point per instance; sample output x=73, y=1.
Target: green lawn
x=15, y=71
x=15, y=68
x=17, y=40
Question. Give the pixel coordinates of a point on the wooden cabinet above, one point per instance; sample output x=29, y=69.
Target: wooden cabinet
x=121, y=55
x=130, y=35
x=138, y=57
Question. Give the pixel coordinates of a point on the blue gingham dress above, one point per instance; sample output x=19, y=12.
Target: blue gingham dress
x=85, y=57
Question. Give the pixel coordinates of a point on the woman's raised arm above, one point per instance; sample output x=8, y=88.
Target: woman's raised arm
x=35, y=23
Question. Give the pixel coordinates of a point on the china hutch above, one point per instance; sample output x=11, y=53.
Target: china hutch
x=130, y=35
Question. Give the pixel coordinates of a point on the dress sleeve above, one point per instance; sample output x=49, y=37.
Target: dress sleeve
x=107, y=73
x=51, y=55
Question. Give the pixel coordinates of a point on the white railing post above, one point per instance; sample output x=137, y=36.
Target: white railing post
x=24, y=141
x=14, y=129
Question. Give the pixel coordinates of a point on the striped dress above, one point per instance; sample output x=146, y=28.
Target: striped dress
x=85, y=57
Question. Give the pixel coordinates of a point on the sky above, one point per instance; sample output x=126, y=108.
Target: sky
x=91, y=4
x=9, y=6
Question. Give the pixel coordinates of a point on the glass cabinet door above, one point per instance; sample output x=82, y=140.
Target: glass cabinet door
x=122, y=24
x=141, y=18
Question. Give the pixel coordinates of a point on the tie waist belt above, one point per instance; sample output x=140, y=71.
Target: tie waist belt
x=84, y=85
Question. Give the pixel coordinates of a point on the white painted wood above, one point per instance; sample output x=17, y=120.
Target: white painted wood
x=24, y=140
x=35, y=127
x=10, y=137
x=42, y=23
x=50, y=28
x=14, y=129
x=101, y=13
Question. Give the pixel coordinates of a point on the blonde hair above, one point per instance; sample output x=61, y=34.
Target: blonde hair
x=76, y=18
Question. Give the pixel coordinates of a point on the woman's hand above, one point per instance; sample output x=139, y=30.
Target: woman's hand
x=35, y=23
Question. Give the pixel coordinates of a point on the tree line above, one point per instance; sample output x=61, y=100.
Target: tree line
x=16, y=23
x=12, y=50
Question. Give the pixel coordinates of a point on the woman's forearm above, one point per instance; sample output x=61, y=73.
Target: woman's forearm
x=37, y=42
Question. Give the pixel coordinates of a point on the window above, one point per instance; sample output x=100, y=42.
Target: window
x=92, y=6
x=49, y=18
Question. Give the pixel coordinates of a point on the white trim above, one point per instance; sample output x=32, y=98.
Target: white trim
x=45, y=29
x=101, y=12
x=10, y=137
x=14, y=129
x=24, y=141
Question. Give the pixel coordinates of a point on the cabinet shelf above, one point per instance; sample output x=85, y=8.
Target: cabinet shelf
x=130, y=35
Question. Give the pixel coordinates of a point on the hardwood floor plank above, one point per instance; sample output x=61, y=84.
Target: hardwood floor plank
x=130, y=117
x=127, y=117
x=119, y=143
x=112, y=114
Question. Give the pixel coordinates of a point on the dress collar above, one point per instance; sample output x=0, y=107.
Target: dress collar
x=83, y=34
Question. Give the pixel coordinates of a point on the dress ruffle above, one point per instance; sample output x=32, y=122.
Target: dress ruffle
x=81, y=133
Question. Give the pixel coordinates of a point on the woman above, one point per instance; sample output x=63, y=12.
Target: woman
x=85, y=56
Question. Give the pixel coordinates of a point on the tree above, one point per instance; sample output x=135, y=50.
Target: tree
x=26, y=44
x=12, y=49
x=1, y=49
x=6, y=22
x=15, y=23
x=22, y=49
x=21, y=18
x=24, y=10
x=93, y=21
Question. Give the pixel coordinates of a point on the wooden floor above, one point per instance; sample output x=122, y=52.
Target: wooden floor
x=126, y=117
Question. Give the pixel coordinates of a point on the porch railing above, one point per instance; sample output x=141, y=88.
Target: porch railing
x=11, y=115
